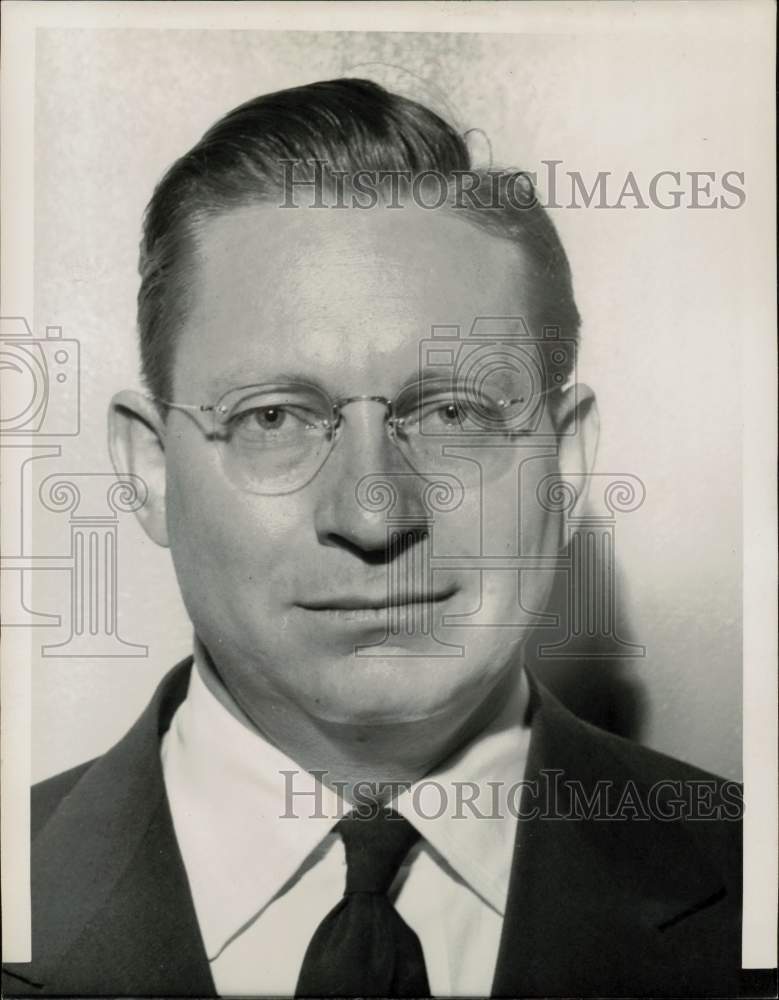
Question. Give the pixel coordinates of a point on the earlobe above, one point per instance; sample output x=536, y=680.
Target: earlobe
x=578, y=430
x=136, y=443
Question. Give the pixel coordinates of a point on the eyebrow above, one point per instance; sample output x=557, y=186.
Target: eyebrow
x=236, y=378
x=240, y=376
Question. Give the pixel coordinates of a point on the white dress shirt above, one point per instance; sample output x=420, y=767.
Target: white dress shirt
x=262, y=881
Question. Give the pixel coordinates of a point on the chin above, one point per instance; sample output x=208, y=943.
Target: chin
x=392, y=691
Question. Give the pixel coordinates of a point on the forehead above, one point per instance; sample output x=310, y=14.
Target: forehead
x=332, y=294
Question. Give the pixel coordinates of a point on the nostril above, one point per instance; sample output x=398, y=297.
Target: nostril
x=379, y=548
x=376, y=555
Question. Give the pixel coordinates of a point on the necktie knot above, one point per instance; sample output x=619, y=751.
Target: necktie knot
x=375, y=848
x=363, y=947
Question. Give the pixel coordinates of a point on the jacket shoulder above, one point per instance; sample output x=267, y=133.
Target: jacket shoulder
x=47, y=795
x=103, y=857
x=649, y=764
x=678, y=798
x=613, y=753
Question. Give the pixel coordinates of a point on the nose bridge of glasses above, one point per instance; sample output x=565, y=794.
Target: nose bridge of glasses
x=366, y=444
x=340, y=404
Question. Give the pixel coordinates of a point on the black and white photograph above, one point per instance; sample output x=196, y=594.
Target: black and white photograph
x=388, y=447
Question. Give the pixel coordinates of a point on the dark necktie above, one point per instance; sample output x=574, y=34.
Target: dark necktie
x=363, y=947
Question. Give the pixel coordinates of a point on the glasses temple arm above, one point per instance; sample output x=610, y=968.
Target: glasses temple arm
x=198, y=408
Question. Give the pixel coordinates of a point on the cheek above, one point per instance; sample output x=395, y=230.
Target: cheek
x=220, y=536
x=536, y=520
x=503, y=516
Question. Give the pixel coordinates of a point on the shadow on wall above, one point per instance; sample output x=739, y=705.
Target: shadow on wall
x=592, y=659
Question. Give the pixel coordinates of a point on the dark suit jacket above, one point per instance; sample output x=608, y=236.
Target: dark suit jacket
x=596, y=907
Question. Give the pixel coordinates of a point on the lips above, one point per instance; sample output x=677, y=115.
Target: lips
x=363, y=602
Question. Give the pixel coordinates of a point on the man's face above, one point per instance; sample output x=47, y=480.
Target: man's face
x=278, y=587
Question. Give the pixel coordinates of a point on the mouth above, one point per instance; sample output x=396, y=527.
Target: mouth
x=359, y=607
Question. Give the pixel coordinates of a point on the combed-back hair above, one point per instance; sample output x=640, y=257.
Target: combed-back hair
x=348, y=126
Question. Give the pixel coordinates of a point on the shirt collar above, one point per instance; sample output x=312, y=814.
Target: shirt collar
x=475, y=832
x=241, y=840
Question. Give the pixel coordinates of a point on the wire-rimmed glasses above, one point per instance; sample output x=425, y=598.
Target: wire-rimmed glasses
x=274, y=438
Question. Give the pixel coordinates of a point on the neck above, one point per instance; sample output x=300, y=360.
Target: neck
x=361, y=761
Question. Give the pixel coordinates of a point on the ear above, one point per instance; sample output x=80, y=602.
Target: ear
x=575, y=415
x=136, y=442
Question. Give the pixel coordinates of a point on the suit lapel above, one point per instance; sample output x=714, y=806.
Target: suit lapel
x=121, y=920
x=593, y=905
x=594, y=908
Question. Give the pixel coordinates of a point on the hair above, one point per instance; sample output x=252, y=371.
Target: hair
x=346, y=126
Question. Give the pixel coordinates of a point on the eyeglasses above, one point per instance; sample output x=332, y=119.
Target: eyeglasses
x=273, y=439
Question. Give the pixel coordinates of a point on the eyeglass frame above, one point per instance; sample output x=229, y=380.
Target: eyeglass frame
x=330, y=425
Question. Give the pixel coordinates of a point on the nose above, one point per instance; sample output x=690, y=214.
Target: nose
x=345, y=515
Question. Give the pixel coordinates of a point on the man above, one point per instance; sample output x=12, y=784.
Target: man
x=355, y=350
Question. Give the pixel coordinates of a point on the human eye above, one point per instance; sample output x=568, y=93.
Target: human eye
x=462, y=410
x=269, y=422
x=448, y=414
x=441, y=413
